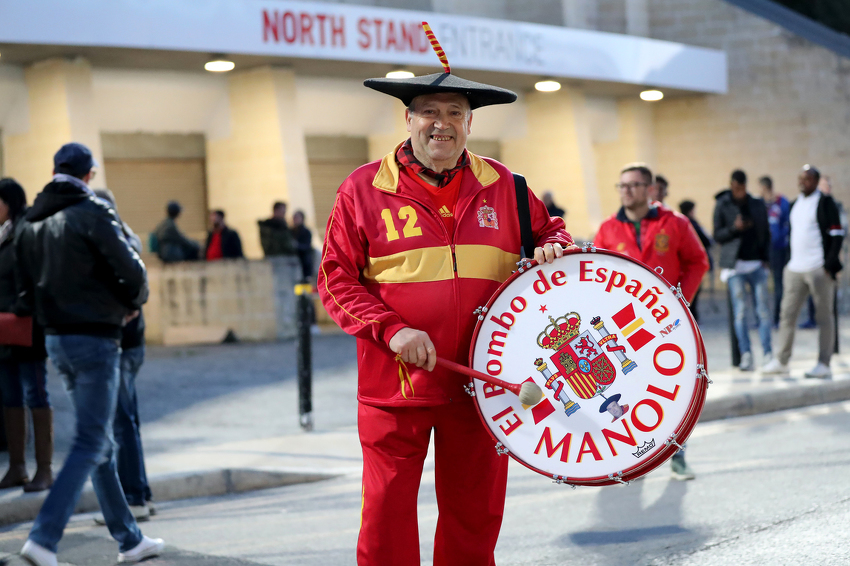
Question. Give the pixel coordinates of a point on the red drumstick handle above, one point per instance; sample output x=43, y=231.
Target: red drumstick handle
x=512, y=387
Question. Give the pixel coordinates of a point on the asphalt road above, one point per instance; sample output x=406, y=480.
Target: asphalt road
x=771, y=489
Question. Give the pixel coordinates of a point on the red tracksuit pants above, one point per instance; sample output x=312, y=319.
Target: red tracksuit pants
x=470, y=482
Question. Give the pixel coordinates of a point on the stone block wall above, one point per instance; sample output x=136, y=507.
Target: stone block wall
x=252, y=299
x=788, y=104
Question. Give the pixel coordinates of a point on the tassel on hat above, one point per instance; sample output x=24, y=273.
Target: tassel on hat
x=478, y=94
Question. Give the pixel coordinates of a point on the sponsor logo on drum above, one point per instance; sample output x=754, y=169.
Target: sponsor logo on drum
x=670, y=328
x=644, y=448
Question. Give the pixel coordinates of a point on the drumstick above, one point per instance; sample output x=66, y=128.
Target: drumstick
x=528, y=392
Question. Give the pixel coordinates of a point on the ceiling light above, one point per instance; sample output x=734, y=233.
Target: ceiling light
x=548, y=85
x=400, y=74
x=219, y=66
x=651, y=95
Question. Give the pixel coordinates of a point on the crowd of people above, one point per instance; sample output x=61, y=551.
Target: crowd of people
x=277, y=238
x=72, y=284
x=798, y=245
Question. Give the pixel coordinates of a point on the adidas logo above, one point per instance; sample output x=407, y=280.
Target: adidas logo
x=445, y=212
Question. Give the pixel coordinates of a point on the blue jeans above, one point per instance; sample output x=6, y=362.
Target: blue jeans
x=24, y=382
x=89, y=367
x=757, y=280
x=130, y=458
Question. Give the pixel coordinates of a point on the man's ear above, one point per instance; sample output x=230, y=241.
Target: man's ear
x=407, y=118
x=469, y=124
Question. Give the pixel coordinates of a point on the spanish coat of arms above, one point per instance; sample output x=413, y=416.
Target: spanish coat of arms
x=582, y=362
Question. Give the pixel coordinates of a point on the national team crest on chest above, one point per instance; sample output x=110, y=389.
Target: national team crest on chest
x=487, y=217
x=662, y=243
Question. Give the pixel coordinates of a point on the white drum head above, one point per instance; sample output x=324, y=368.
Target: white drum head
x=617, y=355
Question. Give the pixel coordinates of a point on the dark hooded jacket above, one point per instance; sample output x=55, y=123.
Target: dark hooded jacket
x=725, y=234
x=76, y=270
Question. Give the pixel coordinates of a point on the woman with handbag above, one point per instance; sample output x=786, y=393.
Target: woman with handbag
x=23, y=369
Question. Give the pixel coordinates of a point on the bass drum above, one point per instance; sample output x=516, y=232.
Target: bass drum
x=617, y=354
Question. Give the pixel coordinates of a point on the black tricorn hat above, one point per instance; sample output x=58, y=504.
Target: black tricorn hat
x=406, y=90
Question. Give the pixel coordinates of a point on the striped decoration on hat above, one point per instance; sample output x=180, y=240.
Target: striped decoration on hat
x=438, y=49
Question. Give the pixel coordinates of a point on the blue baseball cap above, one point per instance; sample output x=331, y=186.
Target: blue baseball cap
x=73, y=159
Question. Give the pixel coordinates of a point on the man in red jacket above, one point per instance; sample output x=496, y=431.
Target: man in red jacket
x=415, y=242
x=658, y=237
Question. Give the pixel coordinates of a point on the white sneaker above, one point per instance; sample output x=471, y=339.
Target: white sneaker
x=746, y=362
x=38, y=555
x=141, y=513
x=821, y=370
x=145, y=549
x=774, y=366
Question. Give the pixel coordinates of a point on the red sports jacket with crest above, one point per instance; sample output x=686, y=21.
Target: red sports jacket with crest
x=667, y=240
x=389, y=262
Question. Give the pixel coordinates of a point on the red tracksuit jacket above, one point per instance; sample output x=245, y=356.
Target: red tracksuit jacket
x=667, y=239
x=389, y=262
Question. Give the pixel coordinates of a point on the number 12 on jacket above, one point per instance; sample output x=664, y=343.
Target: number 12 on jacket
x=410, y=227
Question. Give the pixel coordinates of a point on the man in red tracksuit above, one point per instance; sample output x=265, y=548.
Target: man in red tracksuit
x=415, y=243
x=652, y=233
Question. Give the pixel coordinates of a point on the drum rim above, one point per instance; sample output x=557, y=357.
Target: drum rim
x=682, y=431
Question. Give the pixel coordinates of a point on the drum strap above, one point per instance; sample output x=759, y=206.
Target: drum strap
x=527, y=245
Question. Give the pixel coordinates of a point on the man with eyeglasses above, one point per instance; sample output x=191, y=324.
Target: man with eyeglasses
x=658, y=237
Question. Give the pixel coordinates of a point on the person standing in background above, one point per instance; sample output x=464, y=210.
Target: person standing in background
x=655, y=235
x=778, y=213
x=303, y=243
x=23, y=370
x=171, y=244
x=554, y=209
x=742, y=230
x=275, y=236
x=658, y=190
x=687, y=208
x=126, y=427
x=222, y=241
x=816, y=239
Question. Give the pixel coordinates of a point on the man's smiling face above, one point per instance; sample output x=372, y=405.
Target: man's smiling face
x=439, y=125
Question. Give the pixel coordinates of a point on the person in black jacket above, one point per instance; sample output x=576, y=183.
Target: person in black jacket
x=23, y=370
x=83, y=281
x=743, y=232
x=304, y=244
x=169, y=243
x=275, y=236
x=222, y=242
x=686, y=207
x=816, y=238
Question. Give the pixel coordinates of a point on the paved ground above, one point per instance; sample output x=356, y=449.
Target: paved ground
x=770, y=491
x=235, y=406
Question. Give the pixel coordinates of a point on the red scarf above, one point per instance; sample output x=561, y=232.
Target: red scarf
x=405, y=158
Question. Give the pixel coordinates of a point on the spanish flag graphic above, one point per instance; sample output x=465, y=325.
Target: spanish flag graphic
x=632, y=327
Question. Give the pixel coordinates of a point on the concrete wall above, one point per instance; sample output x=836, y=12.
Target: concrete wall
x=198, y=302
x=58, y=108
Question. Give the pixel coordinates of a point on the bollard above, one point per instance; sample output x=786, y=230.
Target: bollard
x=304, y=309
